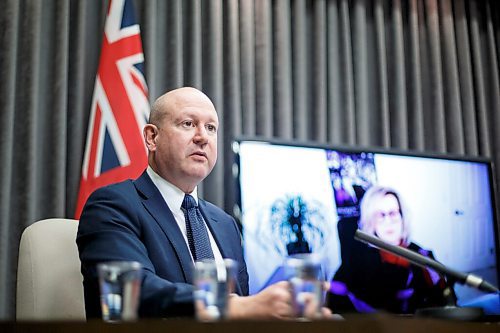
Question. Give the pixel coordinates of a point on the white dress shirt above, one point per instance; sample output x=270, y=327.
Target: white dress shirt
x=174, y=196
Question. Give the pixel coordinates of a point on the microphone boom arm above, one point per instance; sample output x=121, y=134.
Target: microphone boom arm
x=423, y=261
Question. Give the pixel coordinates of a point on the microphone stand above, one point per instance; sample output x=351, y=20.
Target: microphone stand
x=450, y=311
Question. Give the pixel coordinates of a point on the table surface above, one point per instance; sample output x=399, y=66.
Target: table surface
x=352, y=323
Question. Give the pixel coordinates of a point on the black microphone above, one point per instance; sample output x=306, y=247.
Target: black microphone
x=418, y=259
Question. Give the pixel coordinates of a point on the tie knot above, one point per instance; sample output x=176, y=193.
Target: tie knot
x=188, y=202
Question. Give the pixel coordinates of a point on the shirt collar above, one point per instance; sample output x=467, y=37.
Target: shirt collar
x=172, y=195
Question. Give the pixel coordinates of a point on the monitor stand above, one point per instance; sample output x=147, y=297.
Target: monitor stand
x=451, y=311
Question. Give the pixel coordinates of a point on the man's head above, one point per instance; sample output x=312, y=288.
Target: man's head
x=181, y=137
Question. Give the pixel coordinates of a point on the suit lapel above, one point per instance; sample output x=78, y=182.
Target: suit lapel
x=222, y=235
x=159, y=210
x=219, y=232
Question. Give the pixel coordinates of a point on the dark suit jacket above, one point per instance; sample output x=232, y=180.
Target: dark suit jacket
x=131, y=221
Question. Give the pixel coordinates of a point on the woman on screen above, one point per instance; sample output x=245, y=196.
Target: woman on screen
x=370, y=279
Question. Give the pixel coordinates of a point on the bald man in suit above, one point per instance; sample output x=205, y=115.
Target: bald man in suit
x=142, y=220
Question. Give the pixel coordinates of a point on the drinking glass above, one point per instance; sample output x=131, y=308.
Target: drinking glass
x=213, y=284
x=120, y=284
x=304, y=273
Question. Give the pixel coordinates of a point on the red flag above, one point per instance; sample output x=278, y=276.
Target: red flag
x=115, y=148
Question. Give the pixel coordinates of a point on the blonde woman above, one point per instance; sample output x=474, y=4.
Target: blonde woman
x=369, y=279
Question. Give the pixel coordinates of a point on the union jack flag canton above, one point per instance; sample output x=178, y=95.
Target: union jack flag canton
x=115, y=149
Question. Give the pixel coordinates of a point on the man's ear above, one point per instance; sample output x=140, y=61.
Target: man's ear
x=150, y=133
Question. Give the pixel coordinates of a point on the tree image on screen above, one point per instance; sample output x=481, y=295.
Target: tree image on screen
x=298, y=223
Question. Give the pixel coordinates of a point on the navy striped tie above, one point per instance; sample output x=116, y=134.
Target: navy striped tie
x=197, y=234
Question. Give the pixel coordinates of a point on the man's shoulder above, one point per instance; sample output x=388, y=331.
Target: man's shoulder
x=118, y=199
x=120, y=189
x=117, y=186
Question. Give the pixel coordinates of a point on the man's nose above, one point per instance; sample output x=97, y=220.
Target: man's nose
x=201, y=135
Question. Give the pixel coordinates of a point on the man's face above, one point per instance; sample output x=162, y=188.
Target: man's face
x=185, y=146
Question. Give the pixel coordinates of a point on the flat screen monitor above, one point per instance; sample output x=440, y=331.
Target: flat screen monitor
x=303, y=198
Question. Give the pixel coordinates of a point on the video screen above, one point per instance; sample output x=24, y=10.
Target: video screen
x=305, y=199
